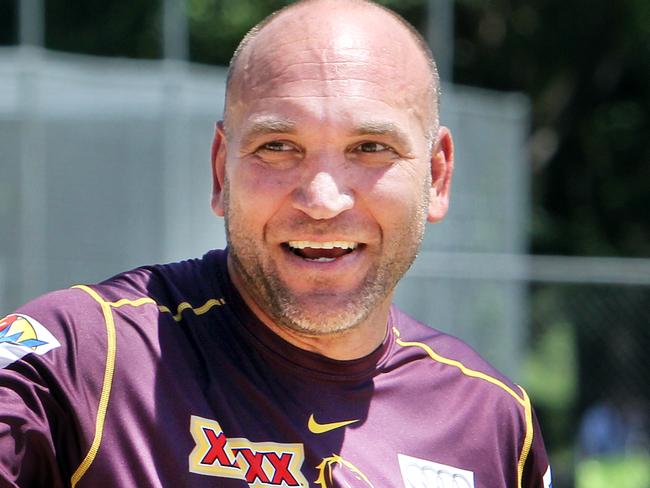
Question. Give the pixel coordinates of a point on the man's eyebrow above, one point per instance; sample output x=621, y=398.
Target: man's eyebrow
x=265, y=126
x=272, y=125
x=383, y=128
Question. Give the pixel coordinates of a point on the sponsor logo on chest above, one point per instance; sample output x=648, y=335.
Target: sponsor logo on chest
x=260, y=464
x=274, y=464
x=420, y=473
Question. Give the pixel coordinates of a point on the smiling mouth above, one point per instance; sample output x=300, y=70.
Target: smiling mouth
x=321, y=252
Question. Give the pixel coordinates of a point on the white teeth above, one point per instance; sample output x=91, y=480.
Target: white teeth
x=323, y=245
x=323, y=260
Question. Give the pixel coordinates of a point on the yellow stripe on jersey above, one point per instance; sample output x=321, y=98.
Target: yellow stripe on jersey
x=528, y=440
x=178, y=316
x=523, y=400
x=106, y=385
x=457, y=364
x=111, y=350
x=133, y=303
x=213, y=302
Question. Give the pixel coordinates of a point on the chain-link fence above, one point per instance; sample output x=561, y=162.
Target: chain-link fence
x=588, y=371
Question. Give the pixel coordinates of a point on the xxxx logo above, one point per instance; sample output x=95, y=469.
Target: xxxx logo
x=260, y=464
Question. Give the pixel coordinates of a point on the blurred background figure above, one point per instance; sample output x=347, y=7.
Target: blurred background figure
x=106, y=115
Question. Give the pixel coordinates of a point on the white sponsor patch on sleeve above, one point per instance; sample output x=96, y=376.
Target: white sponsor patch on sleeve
x=21, y=335
x=548, y=482
x=420, y=473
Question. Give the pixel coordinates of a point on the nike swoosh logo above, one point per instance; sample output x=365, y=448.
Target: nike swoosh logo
x=316, y=428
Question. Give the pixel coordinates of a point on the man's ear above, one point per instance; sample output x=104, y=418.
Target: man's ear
x=218, y=168
x=442, y=169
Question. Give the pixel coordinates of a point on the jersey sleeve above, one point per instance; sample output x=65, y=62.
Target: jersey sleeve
x=537, y=471
x=30, y=416
x=46, y=393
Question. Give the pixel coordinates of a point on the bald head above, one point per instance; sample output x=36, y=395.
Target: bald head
x=314, y=33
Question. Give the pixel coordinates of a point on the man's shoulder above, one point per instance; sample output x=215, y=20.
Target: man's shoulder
x=58, y=307
x=154, y=280
x=187, y=279
x=73, y=316
x=452, y=354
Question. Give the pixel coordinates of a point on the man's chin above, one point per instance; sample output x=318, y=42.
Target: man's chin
x=321, y=320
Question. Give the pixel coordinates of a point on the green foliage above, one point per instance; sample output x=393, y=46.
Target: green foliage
x=630, y=471
x=550, y=369
x=130, y=29
x=586, y=66
x=217, y=26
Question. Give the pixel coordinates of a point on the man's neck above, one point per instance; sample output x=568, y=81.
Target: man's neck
x=353, y=343
x=349, y=344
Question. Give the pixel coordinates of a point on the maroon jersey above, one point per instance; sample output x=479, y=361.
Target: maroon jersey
x=162, y=376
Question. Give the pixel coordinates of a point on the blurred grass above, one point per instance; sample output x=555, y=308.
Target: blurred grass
x=629, y=471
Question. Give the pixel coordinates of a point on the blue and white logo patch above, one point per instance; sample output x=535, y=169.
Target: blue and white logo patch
x=21, y=335
x=420, y=473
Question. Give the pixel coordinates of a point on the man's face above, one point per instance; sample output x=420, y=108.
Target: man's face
x=324, y=173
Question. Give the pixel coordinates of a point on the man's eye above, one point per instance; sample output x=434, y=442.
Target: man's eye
x=277, y=146
x=372, y=147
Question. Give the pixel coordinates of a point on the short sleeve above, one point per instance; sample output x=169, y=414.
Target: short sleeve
x=47, y=388
x=30, y=418
x=537, y=471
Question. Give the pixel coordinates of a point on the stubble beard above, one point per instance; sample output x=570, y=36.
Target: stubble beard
x=327, y=311
x=314, y=314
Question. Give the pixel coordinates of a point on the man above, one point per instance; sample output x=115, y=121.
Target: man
x=279, y=362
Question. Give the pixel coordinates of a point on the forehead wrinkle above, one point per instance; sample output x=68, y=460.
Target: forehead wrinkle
x=318, y=81
x=319, y=54
x=331, y=63
x=316, y=56
x=282, y=78
x=314, y=64
x=319, y=97
x=329, y=80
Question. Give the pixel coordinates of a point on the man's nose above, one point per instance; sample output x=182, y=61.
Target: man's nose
x=323, y=194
